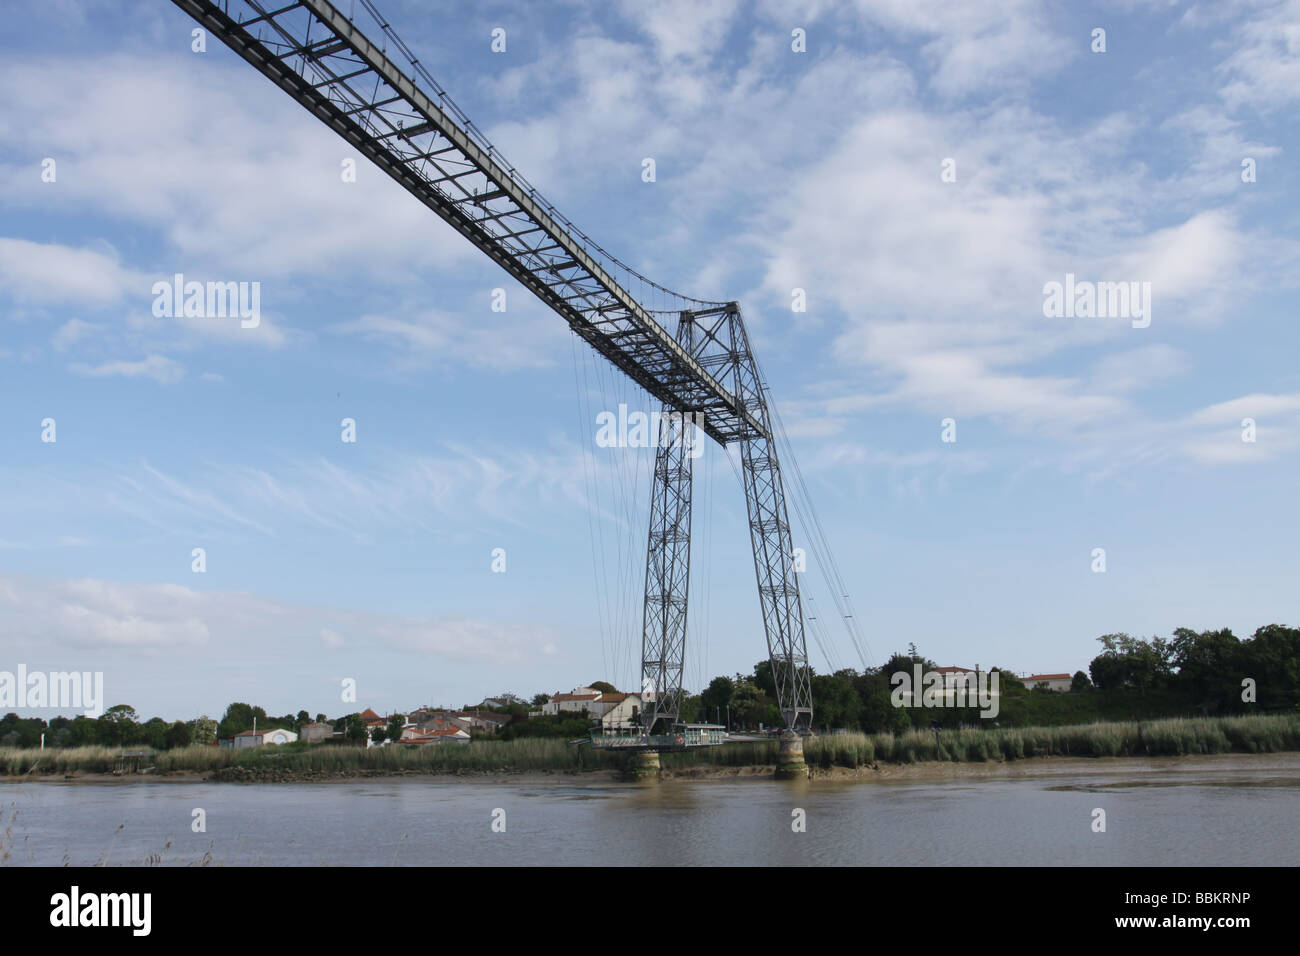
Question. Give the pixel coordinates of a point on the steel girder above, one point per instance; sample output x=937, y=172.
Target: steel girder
x=319, y=57
x=717, y=338
x=723, y=344
x=667, y=568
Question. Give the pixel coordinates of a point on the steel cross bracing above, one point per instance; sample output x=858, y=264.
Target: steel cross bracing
x=717, y=339
x=315, y=54
x=668, y=567
x=321, y=59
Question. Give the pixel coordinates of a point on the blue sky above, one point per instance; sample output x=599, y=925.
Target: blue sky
x=775, y=170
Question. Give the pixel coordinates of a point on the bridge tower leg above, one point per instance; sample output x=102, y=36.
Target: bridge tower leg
x=769, y=533
x=722, y=345
x=668, y=565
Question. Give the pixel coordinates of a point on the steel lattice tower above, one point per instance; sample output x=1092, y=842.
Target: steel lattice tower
x=420, y=138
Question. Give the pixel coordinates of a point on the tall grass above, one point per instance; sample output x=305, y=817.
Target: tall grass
x=1172, y=737
x=488, y=756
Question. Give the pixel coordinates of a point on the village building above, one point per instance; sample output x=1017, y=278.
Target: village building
x=413, y=736
x=1060, y=683
x=624, y=715
x=256, y=738
x=315, y=732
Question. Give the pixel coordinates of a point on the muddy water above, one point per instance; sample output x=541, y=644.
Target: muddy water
x=1230, y=810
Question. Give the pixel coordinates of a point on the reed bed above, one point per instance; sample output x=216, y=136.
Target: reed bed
x=1170, y=737
x=487, y=756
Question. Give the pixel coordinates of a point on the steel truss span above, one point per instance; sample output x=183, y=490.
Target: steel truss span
x=423, y=141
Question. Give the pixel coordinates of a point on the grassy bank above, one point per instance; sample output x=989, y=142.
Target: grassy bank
x=483, y=756
x=1174, y=737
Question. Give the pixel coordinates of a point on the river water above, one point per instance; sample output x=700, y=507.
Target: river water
x=1231, y=810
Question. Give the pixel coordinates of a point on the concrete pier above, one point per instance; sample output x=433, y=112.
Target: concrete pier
x=790, y=764
x=644, y=766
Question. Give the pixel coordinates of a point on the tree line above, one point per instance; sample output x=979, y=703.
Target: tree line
x=1188, y=674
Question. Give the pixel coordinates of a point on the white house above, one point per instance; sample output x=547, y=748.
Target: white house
x=954, y=677
x=256, y=738
x=1060, y=683
x=579, y=700
x=624, y=714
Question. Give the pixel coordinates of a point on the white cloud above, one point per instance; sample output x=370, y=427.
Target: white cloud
x=1142, y=367
x=272, y=201
x=1263, y=71
x=526, y=336
x=981, y=46
x=1258, y=406
x=87, y=614
x=683, y=29
x=72, y=332
x=50, y=273
x=161, y=369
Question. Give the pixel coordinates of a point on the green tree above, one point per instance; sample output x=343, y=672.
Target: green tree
x=835, y=702
x=716, y=698
x=752, y=707
x=82, y=732
x=117, y=725
x=203, y=730
x=603, y=686
x=239, y=717
x=1130, y=662
x=1208, y=665
x=566, y=726
x=395, y=724
x=178, y=735
x=1008, y=683
x=352, y=727
x=1271, y=657
x=155, y=733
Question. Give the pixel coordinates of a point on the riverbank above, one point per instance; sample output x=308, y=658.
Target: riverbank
x=1079, y=769
x=840, y=756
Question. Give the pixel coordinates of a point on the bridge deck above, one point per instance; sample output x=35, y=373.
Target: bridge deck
x=685, y=738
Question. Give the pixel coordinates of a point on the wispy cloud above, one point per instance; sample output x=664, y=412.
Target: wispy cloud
x=161, y=369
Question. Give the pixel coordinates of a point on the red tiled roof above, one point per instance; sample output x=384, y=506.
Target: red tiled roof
x=559, y=697
x=1047, y=677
